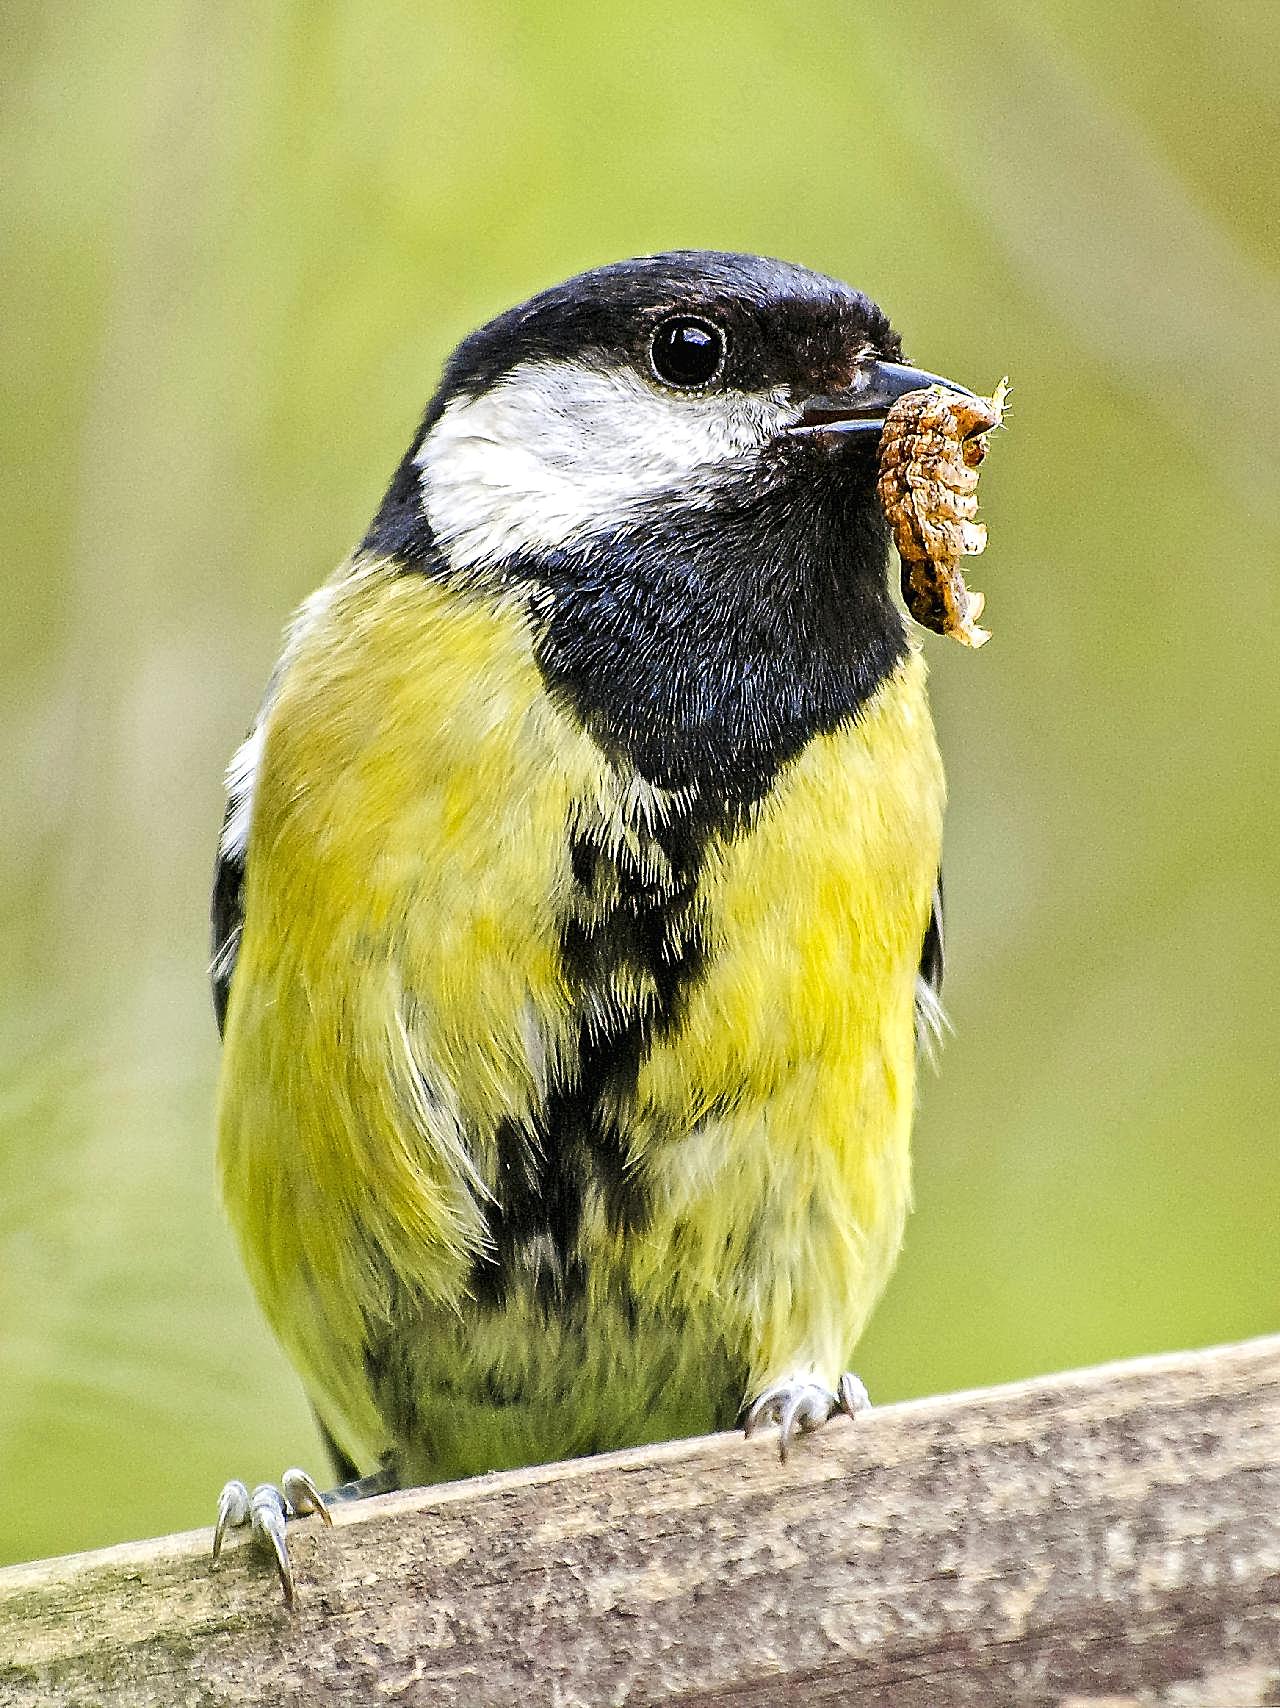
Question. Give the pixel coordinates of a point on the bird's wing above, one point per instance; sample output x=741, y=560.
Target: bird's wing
x=931, y=1019
x=227, y=903
x=227, y=920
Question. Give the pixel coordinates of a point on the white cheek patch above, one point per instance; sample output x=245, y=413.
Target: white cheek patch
x=556, y=450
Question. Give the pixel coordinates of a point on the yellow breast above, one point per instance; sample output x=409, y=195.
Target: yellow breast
x=400, y=996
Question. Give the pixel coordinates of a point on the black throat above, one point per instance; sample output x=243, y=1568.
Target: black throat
x=707, y=645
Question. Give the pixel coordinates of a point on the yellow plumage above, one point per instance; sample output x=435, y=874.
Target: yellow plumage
x=400, y=994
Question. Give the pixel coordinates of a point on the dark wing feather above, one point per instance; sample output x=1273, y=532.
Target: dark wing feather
x=931, y=1022
x=227, y=917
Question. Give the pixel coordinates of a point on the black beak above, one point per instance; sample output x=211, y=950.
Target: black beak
x=863, y=407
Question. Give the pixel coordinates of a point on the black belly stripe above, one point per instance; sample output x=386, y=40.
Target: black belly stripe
x=645, y=935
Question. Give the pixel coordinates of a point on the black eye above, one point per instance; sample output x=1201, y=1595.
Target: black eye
x=687, y=351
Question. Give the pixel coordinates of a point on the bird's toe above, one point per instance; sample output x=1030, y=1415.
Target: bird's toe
x=266, y=1512
x=799, y=1404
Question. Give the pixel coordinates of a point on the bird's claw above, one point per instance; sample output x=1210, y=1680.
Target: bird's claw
x=266, y=1511
x=799, y=1404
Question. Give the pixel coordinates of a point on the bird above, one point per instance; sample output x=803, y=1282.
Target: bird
x=577, y=914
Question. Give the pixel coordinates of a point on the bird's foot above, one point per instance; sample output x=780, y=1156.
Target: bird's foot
x=265, y=1512
x=799, y=1405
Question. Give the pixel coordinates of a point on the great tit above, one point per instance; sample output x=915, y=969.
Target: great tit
x=577, y=906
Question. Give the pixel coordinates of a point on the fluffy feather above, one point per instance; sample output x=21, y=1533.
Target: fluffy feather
x=573, y=891
x=400, y=997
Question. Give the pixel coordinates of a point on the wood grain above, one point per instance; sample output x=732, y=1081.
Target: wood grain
x=1106, y=1539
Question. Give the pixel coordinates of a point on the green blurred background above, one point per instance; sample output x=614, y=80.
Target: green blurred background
x=242, y=238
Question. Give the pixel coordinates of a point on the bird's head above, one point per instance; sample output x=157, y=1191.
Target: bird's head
x=674, y=457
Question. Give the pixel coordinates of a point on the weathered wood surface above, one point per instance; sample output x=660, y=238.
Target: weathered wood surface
x=1096, y=1540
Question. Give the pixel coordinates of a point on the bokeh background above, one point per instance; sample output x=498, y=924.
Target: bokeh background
x=240, y=240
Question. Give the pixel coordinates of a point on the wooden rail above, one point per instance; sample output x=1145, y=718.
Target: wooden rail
x=1095, y=1540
